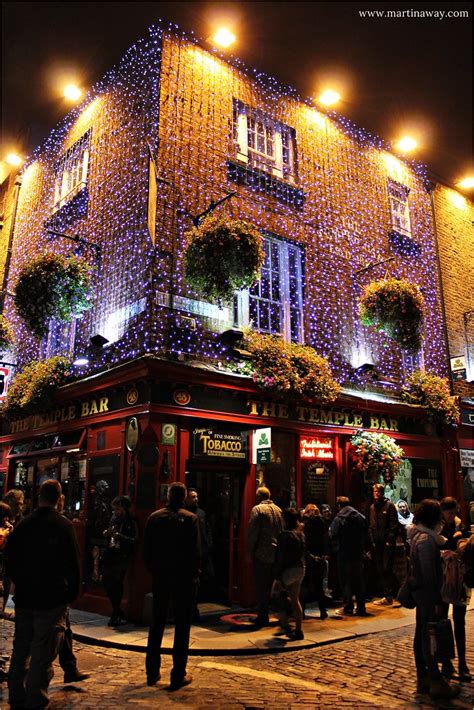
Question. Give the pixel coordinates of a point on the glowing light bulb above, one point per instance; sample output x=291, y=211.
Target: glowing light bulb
x=72, y=92
x=406, y=144
x=467, y=183
x=13, y=159
x=329, y=97
x=224, y=37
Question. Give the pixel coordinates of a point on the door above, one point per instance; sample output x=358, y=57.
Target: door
x=220, y=494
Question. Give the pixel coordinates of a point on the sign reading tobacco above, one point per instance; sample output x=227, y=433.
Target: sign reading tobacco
x=208, y=442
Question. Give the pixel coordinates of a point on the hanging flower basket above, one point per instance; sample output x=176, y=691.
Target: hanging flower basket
x=395, y=307
x=377, y=455
x=432, y=392
x=52, y=286
x=223, y=256
x=32, y=390
x=6, y=335
x=291, y=370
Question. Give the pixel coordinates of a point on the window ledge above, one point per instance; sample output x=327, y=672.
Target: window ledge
x=74, y=209
x=261, y=181
x=404, y=244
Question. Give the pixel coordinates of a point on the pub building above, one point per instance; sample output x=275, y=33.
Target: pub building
x=145, y=424
x=174, y=132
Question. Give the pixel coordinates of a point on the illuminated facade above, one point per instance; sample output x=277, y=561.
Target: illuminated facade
x=173, y=129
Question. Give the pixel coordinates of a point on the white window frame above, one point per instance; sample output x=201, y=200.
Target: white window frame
x=71, y=172
x=242, y=301
x=399, y=208
x=276, y=153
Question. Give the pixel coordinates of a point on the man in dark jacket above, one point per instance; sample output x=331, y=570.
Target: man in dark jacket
x=383, y=528
x=172, y=553
x=42, y=559
x=348, y=536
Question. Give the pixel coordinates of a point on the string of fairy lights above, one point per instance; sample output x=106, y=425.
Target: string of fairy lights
x=173, y=98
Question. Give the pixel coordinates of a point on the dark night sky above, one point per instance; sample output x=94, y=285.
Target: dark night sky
x=399, y=72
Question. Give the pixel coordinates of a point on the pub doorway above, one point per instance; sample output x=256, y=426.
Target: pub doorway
x=220, y=489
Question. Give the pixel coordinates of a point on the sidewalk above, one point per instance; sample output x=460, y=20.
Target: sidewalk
x=231, y=633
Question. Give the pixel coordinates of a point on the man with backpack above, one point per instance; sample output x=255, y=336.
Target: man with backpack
x=348, y=536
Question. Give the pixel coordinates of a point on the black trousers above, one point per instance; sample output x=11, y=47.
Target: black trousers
x=351, y=579
x=459, y=623
x=384, y=562
x=180, y=595
x=112, y=579
x=66, y=657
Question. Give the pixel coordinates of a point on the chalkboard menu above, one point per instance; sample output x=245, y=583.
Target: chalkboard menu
x=316, y=479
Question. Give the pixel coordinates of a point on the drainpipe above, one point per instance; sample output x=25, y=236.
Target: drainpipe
x=440, y=280
x=3, y=290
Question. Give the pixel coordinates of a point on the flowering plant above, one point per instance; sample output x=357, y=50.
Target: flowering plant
x=223, y=256
x=33, y=388
x=376, y=454
x=396, y=307
x=6, y=335
x=52, y=286
x=289, y=369
x=432, y=392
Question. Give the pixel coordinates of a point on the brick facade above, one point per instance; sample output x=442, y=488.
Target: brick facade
x=454, y=222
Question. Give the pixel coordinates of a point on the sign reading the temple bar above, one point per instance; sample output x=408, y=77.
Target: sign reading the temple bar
x=223, y=444
x=316, y=447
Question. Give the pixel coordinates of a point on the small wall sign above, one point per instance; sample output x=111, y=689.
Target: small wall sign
x=132, y=434
x=182, y=397
x=168, y=434
x=316, y=447
x=132, y=396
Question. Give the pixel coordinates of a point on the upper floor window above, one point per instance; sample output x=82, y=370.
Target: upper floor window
x=71, y=172
x=263, y=143
x=399, y=212
x=275, y=303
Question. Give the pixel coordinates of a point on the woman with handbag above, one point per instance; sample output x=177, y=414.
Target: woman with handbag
x=425, y=564
x=454, y=531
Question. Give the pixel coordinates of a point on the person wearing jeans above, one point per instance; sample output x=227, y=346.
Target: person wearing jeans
x=42, y=559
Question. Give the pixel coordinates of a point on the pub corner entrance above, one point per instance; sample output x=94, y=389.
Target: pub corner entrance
x=220, y=489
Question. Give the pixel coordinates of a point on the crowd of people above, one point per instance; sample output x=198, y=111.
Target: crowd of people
x=298, y=558
x=301, y=556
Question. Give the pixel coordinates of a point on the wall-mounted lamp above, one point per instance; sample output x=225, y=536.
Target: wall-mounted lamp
x=97, y=342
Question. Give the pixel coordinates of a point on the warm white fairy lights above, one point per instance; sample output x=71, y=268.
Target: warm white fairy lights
x=172, y=98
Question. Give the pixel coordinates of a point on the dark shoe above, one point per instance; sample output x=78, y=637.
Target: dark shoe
x=112, y=621
x=75, y=676
x=259, y=623
x=323, y=614
x=153, y=680
x=296, y=635
x=362, y=613
x=423, y=684
x=442, y=689
x=177, y=684
x=447, y=669
x=464, y=674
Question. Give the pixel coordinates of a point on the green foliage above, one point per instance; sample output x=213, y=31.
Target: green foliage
x=396, y=307
x=432, y=392
x=52, y=286
x=32, y=389
x=377, y=455
x=6, y=335
x=222, y=257
x=292, y=370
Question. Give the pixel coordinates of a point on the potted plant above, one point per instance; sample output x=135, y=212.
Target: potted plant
x=377, y=455
x=52, y=286
x=32, y=389
x=223, y=256
x=6, y=335
x=291, y=370
x=395, y=307
x=432, y=392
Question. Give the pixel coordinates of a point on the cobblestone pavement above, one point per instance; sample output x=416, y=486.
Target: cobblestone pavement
x=375, y=671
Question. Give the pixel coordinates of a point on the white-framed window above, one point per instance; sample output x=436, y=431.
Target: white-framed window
x=263, y=143
x=275, y=303
x=399, y=210
x=70, y=172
